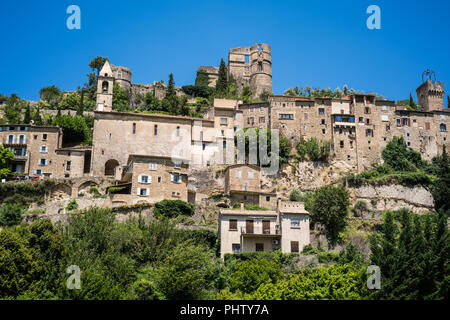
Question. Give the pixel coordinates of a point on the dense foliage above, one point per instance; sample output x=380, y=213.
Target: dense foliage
x=313, y=150
x=173, y=208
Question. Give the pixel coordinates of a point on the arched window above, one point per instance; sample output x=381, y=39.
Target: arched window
x=110, y=167
x=105, y=86
x=443, y=127
x=119, y=75
x=260, y=67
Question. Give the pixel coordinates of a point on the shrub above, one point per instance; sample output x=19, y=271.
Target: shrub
x=308, y=250
x=295, y=195
x=217, y=196
x=359, y=208
x=72, y=205
x=250, y=274
x=173, y=208
x=313, y=149
x=94, y=191
x=11, y=214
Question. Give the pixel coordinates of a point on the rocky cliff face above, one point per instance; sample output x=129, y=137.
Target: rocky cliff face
x=394, y=197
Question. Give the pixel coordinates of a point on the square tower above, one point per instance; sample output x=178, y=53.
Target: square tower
x=430, y=95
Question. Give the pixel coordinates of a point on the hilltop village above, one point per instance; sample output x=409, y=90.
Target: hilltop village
x=149, y=157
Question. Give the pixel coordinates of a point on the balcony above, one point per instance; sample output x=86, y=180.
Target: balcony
x=251, y=231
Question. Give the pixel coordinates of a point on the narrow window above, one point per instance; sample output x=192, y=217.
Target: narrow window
x=156, y=130
x=134, y=129
x=178, y=131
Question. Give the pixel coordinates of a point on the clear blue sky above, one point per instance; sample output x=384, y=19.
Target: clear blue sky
x=316, y=43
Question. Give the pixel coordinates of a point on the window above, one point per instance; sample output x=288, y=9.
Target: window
x=341, y=143
x=203, y=146
x=321, y=111
x=223, y=121
x=37, y=172
x=159, y=179
x=351, y=144
x=10, y=139
x=144, y=179
x=443, y=127
x=68, y=165
x=44, y=136
x=259, y=246
x=286, y=116
x=250, y=174
x=252, y=109
x=406, y=121
x=236, y=248
x=134, y=129
x=427, y=125
x=383, y=107
x=239, y=174
x=323, y=131
x=176, y=178
x=178, y=131
x=250, y=120
x=224, y=144
x=232, y=224
x=155, y=130
x=222, y=132
x=267, y=198
x=283, y=126
x=245, y=186
x=367, y=121
x=22, y=139
x=340, y=131
x=43, y=149
x=398, y=121
x=262, y=119
x=388, y=127
x=153, y=166
x=322, y=121
x=35, y=137
x=348, y=157
x=43, y=162
x=361, y=120
x=261, y=109
x=369, y=133
x=143, y=192
x=295, y=223
x=367, y=110
x=384, y=117
x=119, y=75
x=294, y=246
x=177, y=164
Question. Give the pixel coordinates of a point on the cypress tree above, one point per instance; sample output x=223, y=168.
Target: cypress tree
x=37, y=118
x=27, y=116
x=412, y=104
x=441, y=187
x=222, y=81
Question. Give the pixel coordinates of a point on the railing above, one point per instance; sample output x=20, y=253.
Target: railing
x=260, y=231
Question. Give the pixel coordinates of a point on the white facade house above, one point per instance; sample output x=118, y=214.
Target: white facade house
x=287, y=229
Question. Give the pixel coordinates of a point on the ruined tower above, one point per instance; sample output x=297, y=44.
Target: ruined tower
x=251, y=66
x=122, y=76
x=261, y=69
x=105, y=83
x=430, y=94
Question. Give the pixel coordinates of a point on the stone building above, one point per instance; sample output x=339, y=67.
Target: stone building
x=286, y=228
x=74, y=162
x=149, y=179
x=34, y=148
x=243, y=185
x=359, y=126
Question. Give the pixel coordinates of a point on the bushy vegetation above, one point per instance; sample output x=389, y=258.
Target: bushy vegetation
x=173, y=208
x=402, y=165
x=313, y=149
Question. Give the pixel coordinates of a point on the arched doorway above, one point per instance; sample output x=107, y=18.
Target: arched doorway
x=110, y=167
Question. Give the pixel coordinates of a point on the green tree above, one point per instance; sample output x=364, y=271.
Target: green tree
x=412, y=104
x=285, y=149
x=441, y=186
x=313, y=149
x=52, y=95
x=186, y=273
x=13, y=109
x=97, y=63
x=121, y=98
x=250, y=274
x=20, y=268
x=11, y=214
x=173, y=208
x=72, y=101
x=5, y=157
x=222, y=81
x=295, y=195
x=399, y=157
x=329, y=207
x=202, y=79
x=332, y=283
x=27, y=116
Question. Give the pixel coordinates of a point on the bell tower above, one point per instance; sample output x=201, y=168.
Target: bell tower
x=430, y=94
x=105, y=83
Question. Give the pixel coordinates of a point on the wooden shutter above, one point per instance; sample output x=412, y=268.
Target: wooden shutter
x=294, y=246
x=266, y=226
x=249, y=226
x=233, y=224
